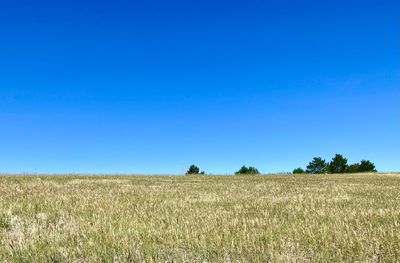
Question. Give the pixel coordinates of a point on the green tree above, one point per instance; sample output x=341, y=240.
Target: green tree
x=247, y=170
x=298, y=171
x=338, y=164
x=193, y=169
x=367, y=166
x=317, y=166
x=353, y=168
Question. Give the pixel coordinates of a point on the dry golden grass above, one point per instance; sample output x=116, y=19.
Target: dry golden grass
x=274, y=218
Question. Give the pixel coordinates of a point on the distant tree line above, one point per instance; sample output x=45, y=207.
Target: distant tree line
x=338, y=164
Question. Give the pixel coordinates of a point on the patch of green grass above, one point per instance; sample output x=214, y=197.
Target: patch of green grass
x=4, y=224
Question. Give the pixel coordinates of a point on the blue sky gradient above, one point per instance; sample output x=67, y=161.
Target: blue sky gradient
x=154, y=86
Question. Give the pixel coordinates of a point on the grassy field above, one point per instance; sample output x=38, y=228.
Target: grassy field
x=278, y=218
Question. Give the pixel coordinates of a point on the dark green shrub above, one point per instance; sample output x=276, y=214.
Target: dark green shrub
x=298, y=171
x=353, y=168
x=367, y=166
x=193, y=169
x=247, y=170
x=361, y=167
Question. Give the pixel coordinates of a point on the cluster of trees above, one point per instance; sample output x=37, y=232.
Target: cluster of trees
x=338, y=164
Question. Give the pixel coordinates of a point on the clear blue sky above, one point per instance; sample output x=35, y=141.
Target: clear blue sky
x=154, y=86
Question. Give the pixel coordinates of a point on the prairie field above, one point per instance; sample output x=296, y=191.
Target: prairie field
x=265, y=218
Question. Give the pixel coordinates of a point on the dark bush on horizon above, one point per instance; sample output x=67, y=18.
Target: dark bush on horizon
x=362, y=167
x=247, y=170
x=298, y=171
x=193, y=169
x=367, y=166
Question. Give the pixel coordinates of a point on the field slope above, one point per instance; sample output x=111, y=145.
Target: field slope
x=278, y=218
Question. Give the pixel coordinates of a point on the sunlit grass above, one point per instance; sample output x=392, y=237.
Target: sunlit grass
x=278, y=218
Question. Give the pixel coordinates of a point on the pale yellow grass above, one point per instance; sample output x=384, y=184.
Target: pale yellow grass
x=273, y=218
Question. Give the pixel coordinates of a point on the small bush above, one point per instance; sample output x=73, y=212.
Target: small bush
x=193, y=169
x=298, y=171
x=247, y=170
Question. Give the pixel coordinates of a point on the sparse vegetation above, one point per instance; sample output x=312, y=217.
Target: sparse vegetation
x=278, y=218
